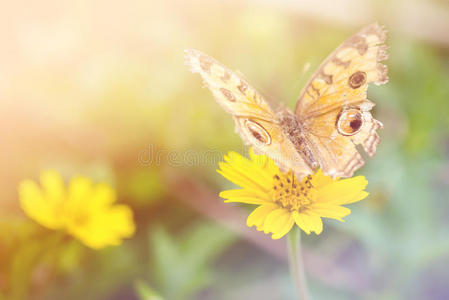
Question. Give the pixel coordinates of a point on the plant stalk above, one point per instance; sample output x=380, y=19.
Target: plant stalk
x=296, y=263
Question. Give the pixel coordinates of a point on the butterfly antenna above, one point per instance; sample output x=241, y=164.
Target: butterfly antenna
x=303, y=73
x=267, y=96
x=305, y=69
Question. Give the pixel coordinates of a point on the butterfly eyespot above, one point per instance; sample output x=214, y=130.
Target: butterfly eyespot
x=357, y=79
x=258, y=132
x=349, y=122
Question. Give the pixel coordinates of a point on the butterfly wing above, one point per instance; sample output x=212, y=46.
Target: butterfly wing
x=255, y=121
x=333, y=107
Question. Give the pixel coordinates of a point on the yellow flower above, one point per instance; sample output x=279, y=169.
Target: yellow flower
x=84, y=210
x=283, y=199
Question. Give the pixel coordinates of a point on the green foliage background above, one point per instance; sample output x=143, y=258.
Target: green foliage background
x=101, y=89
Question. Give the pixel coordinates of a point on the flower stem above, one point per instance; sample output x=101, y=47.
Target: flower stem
x=296, y=263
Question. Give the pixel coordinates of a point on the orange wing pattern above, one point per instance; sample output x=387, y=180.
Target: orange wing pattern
x=333, y=108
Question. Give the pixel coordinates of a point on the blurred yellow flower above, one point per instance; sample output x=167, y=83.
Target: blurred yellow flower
x=284, y=200
x=84, y=210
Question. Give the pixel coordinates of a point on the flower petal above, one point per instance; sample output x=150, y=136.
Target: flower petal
x=308, y=222
x=286, y=227
x=80, y=189
x=265, y=163
x=105, y=227
x=52, y=186
x=248, y=167
x=279, y=222
x=344, y=191
x=248, y=196
x=256, y=166
x=102, y=195
x=319, y=179
x=340, y=199
x=256, y=170
x=258, y=216
x=301, y=222
x=326, y=210
x=37, y=207
x=317, y=224
x=233, y=174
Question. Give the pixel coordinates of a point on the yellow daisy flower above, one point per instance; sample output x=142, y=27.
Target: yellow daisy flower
x=84, y=210
x=283, y=199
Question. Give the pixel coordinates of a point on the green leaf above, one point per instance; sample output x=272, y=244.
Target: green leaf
x=145, y=292
x=181, y=266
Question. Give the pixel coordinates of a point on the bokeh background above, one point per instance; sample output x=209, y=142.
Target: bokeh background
x=99, y=88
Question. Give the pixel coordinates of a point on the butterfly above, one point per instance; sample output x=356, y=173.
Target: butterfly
x=332, y=115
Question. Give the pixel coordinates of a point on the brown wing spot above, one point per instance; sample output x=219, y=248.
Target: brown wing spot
x=243, y=87
x=358, y=42
x=205, y=63
x=226, y=76
x=339, y=62
x=258, y=132
x=327, y=78
x=228, y=94
x=357, y=79
x=349, y=122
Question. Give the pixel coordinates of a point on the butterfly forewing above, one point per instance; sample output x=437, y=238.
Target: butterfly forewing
x=255, y=121
x=333, y=108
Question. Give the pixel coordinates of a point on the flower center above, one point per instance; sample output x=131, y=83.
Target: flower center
x=292, y=194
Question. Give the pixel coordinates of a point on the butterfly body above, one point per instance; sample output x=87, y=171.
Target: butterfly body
x=294, y=129
x=332, y=115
